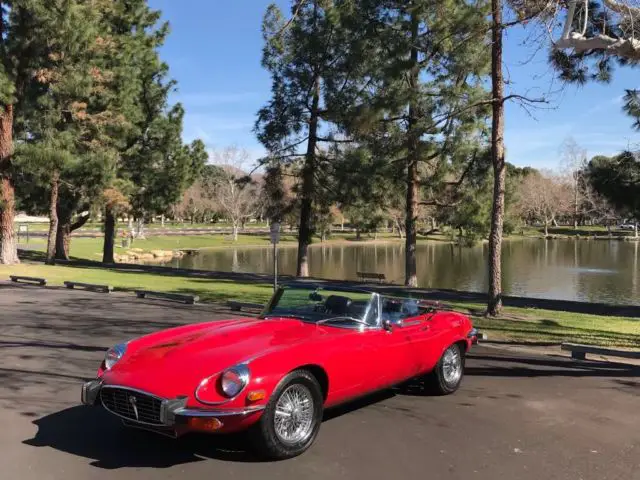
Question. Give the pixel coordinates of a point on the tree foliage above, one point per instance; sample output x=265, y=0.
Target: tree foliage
x=618, y=180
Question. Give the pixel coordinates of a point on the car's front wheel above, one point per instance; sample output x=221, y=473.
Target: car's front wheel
x=447, y=376
x=292, y=417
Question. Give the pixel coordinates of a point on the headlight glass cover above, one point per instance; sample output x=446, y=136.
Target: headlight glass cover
x=234, y=379
x=114, y=354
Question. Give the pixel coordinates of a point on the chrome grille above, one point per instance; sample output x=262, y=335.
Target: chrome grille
x=132, y=405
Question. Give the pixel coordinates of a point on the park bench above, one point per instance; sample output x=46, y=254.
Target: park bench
x=371, y=276
x=89, y=286
x=238, y=306
x=579, y=352
x=35, y=280
x=176, y=297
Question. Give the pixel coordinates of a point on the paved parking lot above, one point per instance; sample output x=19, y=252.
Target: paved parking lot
x=517, y=416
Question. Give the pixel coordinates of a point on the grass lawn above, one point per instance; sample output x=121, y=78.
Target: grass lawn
x=91, y=248
x=44, y=227
x=208, y=290
x=550, y=326
x=516, y=324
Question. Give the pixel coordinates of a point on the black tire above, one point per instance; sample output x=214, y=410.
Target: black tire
x=266, y=441
x=437, y=379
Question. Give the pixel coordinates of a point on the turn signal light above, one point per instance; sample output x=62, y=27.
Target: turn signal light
x=256, y=395
x=205, y=424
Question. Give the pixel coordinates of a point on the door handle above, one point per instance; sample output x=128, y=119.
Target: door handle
x=425, y=328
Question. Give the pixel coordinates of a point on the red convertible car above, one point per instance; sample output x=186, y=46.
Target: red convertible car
x=312, y=348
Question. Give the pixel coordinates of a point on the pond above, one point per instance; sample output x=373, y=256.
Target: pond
x=583, y=270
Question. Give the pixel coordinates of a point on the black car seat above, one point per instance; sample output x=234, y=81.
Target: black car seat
x=337, y=304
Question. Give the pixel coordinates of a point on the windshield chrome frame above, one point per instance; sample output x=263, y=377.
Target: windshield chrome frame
x=375, y=299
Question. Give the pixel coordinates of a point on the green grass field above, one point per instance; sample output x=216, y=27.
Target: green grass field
x=515, y=324
x=91, y=248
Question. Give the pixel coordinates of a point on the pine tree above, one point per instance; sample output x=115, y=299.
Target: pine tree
x=153, y=166
x=494, y=303
x=54, y=116
x=413, y=101
x=18, y=25
x=299, y=54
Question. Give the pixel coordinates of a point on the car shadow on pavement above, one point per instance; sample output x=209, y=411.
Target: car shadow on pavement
x=94, y=434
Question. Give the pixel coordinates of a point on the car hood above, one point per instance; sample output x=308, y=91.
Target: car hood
x=174, y=364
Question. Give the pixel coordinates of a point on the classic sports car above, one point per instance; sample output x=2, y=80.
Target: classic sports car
x=311, y=348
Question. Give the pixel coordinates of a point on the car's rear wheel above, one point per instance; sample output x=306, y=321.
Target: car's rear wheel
x=447, y=376
x=292, y=418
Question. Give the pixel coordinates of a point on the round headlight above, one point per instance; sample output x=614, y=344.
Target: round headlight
x=234, y=380
x=114, y=354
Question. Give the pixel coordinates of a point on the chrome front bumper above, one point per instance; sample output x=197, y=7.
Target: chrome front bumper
x=172, y=411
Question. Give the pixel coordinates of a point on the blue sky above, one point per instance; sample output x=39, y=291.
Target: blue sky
x=214, y=52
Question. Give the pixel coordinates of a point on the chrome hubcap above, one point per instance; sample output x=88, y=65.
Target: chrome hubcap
x=293, y=419
x=452, y=365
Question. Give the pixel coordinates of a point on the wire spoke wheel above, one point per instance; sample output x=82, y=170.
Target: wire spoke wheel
x=452, y=365
x=294, y=414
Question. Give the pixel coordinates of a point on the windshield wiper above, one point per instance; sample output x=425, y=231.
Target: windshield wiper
x=343, y=319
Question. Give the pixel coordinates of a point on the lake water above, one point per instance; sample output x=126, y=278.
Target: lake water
x=585, y=270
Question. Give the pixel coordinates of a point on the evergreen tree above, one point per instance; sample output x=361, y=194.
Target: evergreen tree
x=153, y=166
x=53, y=119
x=618, y=180
x=300, y=54
x=414, y=96
x=21, y=47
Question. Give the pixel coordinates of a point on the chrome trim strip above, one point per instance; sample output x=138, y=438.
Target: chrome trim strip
x=192, y=412
x=135, y=390
x=411, y=323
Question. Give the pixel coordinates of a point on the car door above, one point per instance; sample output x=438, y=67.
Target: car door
x=426, y=336
x=397, y=359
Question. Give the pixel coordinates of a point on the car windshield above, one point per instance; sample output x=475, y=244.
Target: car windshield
x=324, y=305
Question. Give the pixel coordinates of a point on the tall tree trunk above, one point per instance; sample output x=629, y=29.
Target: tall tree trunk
x=308, y=186
x=65, y=227
x=576, y=209
x=63, y=240
x=8, y=246
x=53, y=217
x=494, y=304
x=109, y=235
x=140, y=233
x=413, y=139
x=234, y=232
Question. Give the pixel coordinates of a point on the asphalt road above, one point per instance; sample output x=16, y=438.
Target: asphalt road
x=515, y=417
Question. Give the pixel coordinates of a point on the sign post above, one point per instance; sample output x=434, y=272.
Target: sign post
x=275, y=238
x=23, y=230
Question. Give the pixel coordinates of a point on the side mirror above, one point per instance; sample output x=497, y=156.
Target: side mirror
x=387, y=325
